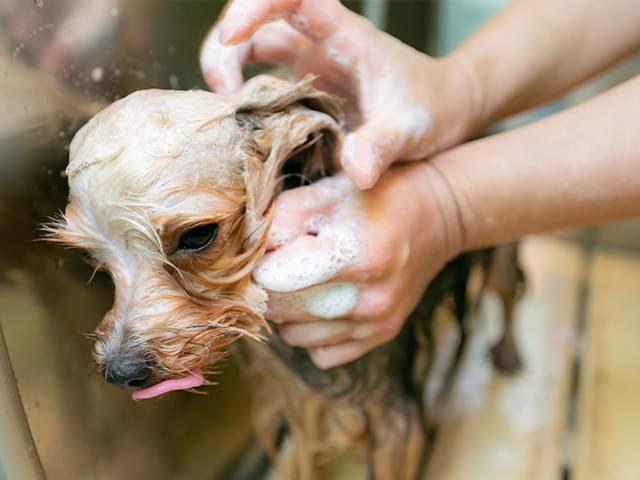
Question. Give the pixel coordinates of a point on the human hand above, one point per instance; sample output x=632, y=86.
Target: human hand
x=410, y=105
x=345, y=268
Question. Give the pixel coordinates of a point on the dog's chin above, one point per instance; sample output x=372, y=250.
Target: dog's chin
x=193, y=379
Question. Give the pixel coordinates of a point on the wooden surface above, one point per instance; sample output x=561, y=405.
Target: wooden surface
x=515, y=428
x=608, y=428
x=574, y=413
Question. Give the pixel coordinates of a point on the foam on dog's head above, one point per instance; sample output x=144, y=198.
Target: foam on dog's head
x=158, y=163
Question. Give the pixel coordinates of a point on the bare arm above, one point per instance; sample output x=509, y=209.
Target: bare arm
x=579, y=167
x=535, y=50
x=412, y=105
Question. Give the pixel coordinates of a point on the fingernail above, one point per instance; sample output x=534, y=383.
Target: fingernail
x=320, y=359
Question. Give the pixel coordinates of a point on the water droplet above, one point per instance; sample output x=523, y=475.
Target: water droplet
x=114, y=12
x=174, y=81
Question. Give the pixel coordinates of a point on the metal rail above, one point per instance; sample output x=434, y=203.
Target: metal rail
x=18, y=455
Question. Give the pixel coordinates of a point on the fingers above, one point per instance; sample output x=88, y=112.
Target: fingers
x=328, y=333
x=316, y=334
x=328, y=301
x=309, y=260
x=301, y=211
x=369, y=151
x=222, y=65
x=345, y=352
x=317, y=20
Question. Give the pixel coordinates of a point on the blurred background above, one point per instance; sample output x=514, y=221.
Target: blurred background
x=60, y=62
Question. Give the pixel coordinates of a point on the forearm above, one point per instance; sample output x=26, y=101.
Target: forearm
x=578, y=167
x=535, y=50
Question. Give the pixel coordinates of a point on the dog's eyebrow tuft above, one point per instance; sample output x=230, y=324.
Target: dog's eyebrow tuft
x=70, y=234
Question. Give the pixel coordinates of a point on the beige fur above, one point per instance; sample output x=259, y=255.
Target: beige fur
x=157, y=163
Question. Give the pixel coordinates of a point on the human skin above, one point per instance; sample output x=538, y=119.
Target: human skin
x=414, y=105
x=578, y=167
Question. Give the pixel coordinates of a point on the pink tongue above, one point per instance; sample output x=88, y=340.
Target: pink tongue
x=192, y=380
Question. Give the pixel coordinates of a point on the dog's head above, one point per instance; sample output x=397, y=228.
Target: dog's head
x=170, y=194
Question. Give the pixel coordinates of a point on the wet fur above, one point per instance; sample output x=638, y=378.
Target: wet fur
x=180, y=312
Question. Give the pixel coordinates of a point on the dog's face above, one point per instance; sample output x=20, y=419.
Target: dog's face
x=169, y=194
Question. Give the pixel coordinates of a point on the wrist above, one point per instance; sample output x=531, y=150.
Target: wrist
x=467, y=92
x=441, y=209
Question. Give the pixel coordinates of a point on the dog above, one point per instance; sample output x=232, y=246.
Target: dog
x=169, y=192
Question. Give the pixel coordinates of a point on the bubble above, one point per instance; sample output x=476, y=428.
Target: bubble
x=330, y=301
x=97, y=74
x=114, y=12
x=303, y=268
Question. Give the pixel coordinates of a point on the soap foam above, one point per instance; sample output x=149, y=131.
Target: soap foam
x=325, y=301
x=301, y=267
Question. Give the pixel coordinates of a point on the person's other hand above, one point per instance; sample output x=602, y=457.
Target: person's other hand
x=410, y=105
x=345, y=268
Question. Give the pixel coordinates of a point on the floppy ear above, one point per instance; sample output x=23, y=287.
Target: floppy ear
x=265, y=93
x=295, y=130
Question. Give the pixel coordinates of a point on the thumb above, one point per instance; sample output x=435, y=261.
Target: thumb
x=300, y=212
x=368, y=152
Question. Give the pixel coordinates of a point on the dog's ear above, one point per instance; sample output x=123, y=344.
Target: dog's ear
x=293, y=130
x=267, y=94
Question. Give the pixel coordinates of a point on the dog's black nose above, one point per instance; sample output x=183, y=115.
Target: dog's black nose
x=128, y=375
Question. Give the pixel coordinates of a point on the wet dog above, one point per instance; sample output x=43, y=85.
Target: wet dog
x=170, y=194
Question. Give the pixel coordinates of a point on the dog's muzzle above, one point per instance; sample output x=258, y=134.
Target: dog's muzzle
x=128, y=374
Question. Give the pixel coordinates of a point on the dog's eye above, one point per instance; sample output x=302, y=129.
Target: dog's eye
x=198, y=237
